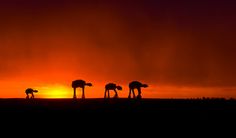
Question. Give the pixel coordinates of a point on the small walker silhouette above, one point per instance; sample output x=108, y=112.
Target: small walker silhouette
x=136, y=85
x=111, y=86
x=31, y=92
x=80, y=84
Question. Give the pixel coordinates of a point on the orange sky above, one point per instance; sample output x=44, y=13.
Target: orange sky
x=182, y=50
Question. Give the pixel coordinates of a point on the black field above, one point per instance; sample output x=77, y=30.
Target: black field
x=120, y=113
x=154, y=108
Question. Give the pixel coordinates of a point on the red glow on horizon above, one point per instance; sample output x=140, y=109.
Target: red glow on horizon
x=181, y=49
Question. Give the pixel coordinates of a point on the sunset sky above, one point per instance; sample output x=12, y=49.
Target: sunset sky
x=182, y=49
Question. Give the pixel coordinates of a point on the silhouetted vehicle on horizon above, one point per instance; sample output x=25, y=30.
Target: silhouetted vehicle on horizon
x=30, y=91
x=136, y=85
x=80, y=84
x=111, y=86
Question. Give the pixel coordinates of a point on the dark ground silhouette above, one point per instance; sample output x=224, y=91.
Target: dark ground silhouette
x=154, y=108
x=120, y=116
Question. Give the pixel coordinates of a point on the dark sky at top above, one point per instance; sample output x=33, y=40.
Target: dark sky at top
x=165, y=42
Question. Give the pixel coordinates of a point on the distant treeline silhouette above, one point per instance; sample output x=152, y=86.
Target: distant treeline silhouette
x=109, y=86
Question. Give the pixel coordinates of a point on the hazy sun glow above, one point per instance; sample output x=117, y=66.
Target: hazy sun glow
x=55, y=91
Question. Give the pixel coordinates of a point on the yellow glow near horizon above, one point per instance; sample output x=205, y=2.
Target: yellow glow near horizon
x=55, y=91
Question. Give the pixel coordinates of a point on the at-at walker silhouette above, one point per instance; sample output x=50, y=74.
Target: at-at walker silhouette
x=111, y=86
x=30, y=91
x=136, y=85
x=80, y=84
